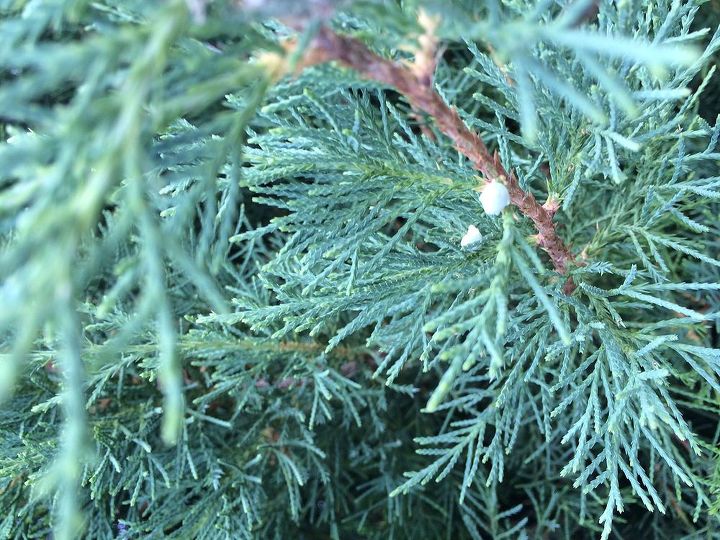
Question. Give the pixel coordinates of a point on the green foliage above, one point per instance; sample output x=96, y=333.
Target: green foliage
x=238, y=308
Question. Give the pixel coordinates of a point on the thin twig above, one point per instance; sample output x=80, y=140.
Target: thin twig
x=418, y=89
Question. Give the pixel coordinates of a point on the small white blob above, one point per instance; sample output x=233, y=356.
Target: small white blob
x=472, y=237
x=494, y=198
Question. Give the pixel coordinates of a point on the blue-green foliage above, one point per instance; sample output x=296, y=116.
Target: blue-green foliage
x=237, y=309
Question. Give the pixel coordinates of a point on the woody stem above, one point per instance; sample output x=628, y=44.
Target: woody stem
x=419, y=91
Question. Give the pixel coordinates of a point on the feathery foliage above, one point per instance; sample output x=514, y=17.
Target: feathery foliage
x=235, y=304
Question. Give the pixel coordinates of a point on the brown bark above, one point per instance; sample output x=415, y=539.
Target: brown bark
x=417, y=87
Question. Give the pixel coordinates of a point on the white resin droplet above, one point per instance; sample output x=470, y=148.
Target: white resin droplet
x=472, y=237
x=494, y=198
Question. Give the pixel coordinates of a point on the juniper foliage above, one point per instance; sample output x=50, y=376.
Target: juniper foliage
x=235, y=305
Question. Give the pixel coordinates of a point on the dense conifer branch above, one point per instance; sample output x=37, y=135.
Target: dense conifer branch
x=417, y=86
x=346, y=343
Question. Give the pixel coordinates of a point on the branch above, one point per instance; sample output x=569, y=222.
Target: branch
x=417, y=87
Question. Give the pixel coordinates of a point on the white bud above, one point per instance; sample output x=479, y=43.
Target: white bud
x=494, y=198
x=471, y=238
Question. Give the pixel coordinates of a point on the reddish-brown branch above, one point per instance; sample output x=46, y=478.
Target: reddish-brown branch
x=417, y=87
